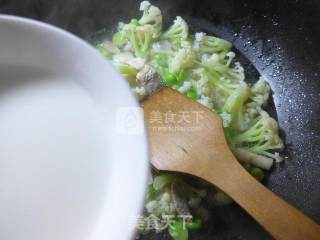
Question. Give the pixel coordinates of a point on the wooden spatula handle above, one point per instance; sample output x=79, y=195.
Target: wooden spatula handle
x=281, y=220
x=203, y=151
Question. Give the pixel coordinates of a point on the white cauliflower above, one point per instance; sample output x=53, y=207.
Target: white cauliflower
x=260, y=92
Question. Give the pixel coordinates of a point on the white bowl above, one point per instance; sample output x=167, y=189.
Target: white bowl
x=73, y=152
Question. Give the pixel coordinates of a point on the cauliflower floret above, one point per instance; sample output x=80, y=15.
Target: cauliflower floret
x=151, y=15
x=178, y=32
x=210, y=44
x=261, y=137
x=253, y=110
x=235, y=106
x=182, y=59
x=139, y=38
x=260, y=92
x=220, y=73
x=202, y=86
x=144, y=5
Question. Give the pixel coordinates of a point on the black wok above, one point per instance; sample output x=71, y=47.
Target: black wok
x=280, y=39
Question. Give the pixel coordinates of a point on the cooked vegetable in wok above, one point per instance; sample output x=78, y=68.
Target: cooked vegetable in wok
x=203, y=68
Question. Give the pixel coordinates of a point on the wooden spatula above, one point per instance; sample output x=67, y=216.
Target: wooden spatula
x=188, y=138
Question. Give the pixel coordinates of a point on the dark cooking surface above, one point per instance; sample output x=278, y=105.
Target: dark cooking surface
x=281, y=39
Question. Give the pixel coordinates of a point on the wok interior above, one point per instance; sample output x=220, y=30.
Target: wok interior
x=277, y=37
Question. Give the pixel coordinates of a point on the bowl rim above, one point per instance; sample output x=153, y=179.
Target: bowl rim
x=129, y=177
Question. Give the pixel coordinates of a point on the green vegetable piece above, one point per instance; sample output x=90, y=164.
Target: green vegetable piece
x=235, y=105
x=184, y=58
x=194, y=225
x=261, y=136
x=169, y=78
x=178, y=230
x=151, y=16
x=257, y=173
x=118, y=39
x=141, y=38
x=135, y=22
x=162, y=181
x=104, y=52
x=210, y=44
x=178, y=32
x=192, y=93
